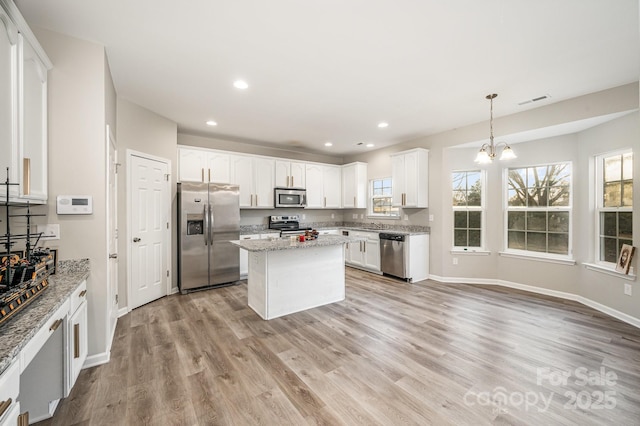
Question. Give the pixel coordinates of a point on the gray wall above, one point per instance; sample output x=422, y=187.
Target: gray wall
x=142, y=131
x=81, y=103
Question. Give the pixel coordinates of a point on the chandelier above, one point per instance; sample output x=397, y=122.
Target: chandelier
x=488, y=151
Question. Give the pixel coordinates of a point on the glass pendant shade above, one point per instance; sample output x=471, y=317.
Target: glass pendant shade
x=507, y=153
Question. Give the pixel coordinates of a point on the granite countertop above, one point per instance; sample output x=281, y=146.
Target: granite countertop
x=287, y=244
x=17, y=331
x=352, y=226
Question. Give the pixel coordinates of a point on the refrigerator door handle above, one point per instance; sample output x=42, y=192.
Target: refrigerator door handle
x=211, y=225
x=205, y=231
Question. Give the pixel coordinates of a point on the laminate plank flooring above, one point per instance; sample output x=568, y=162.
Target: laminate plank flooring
x=392, y=353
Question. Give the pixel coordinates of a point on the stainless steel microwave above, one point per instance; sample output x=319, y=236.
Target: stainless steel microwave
x=290, y=197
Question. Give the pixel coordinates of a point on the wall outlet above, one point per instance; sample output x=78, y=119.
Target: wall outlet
x=49, y=231
x=354, y=216
x=406, y=217
x=304, y=216
x=430, y=218
x=361, y=216
x=333, y=215
x=627, y=289
x=455, y=260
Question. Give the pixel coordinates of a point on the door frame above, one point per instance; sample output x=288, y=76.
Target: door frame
x=166, y=235
x=111, y=141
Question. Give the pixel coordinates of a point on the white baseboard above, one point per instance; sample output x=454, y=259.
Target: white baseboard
x=97, y=359
x=123, y=311
x=539, y=290
x=174, y=290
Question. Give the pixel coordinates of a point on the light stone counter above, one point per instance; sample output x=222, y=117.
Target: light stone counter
x=286, y=243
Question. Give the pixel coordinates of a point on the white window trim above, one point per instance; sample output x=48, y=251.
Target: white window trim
x=370, y=213
x=483, y=215
x=566, y=259
x=610, y=271
x=597, y=264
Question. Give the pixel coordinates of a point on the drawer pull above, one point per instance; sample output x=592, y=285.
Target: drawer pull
x=23, y=419
x=55, y=325
x=4, y=406
x=82, y=293
x=76, y=340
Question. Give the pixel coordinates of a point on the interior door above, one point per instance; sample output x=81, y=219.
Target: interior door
x=112, y=231
x=149, y=221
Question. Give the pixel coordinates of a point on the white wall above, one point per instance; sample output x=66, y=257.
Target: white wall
x=143, y=131
x=79, y=86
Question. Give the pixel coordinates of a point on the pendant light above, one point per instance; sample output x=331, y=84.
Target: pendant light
x=488, y=151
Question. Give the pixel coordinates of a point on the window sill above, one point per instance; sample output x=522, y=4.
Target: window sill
x=559, y=261
x=473, y=252
x=608, y=271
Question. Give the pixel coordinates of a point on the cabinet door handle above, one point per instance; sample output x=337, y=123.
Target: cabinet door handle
x=209, y=175
x=325, y=201
x=4, y=406
x=23, y=419
x=76, y=340
x=55, y=325
x=202, y=173
x=292, y=184
x=82, y=293
x=256, y=200
x=288, y=181
x=26, y=176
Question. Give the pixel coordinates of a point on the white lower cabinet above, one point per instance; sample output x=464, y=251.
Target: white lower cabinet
x=46, y=368
x=244, y=255
x=364, y=254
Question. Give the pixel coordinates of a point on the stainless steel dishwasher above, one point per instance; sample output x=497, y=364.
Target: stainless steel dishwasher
x=393, y=256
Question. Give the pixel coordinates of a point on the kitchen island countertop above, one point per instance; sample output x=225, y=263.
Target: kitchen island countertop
x=286, y=243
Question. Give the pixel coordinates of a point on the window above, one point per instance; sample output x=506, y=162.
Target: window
x=614, y=173
x=467, y=208
x=380, y=195
x=539, y=209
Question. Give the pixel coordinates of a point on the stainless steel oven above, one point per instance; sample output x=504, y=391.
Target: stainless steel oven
x=290, y=197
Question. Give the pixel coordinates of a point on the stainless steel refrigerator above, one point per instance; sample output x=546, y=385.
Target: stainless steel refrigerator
x=209, y=217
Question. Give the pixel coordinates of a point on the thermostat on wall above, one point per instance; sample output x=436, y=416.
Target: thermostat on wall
x=74, y=204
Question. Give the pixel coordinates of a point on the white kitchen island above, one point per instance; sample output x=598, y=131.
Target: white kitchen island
x=287, y=277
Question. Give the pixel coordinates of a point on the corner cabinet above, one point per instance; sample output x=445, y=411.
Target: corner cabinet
x=23, y=108
x=410, y=174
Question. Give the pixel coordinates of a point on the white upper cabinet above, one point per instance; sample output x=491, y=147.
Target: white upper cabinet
x=197, y=165
x=33, y=123
x=323, y=186
x=8, y=101
x=23, y=109
x=410, y=174
x=290, y=174
x=255, y=176
x=354, y=186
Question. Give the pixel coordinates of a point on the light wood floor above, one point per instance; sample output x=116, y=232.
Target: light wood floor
x=392, y=353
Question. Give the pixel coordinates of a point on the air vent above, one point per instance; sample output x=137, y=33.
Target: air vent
x=536, y=99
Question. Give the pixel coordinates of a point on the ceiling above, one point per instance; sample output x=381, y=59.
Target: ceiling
x=332, y=70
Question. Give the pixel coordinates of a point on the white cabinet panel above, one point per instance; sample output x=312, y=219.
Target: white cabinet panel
x=354, y=186
x=9, y=391
x=323, y=186
x=289, y=174
x=410, y=173
x=244, y=255
x=8, y=102
x=255, y=176
x=197, y=165
x=77, y=347
x=365, y=254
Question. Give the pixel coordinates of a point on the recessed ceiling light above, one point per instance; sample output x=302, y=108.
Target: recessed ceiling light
x=328, y=144
x=211, y=123
x=370, y=145
x=240, y=84
x=383, y=124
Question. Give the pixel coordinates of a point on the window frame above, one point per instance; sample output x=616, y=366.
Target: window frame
x=370, y=198
x=569, y=209
x=481, y=208
x=599, y=204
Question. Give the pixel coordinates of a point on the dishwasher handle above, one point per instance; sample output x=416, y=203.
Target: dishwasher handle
x=392, y=237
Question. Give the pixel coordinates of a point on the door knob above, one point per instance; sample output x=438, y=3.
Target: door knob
x=113, y=255
x=136, y=239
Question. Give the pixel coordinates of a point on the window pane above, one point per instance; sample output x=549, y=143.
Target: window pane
x=459, y=181
x=474, y=238
x=377, y=184
x=537, y=241
x=627, y=193
x=459, y=198
x=460, y=238
x=612, y=169
x=625, y=224
x=608, y=223
x=608, y=250
x=559, y=243
x=537, y=197
x=516, y=220
x=536, y=221
x=516, y=240
x=517, y=198
x=377, y=191
x=558, y=222
x=460, y=219
x=559, y=175
x=474, y=196
x=475, y=220
x=627, y=166
x=473, y=179
x=612, y=194
x=559, y=196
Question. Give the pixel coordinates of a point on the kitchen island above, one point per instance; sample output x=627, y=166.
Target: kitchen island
x=289, y=276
